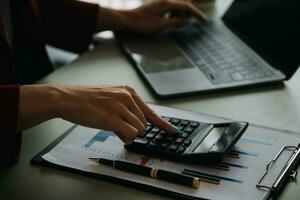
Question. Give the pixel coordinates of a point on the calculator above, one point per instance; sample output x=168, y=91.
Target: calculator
x=199, y=142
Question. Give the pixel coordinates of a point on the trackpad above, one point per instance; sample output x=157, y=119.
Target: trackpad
x=157, y=55
x=166, y=67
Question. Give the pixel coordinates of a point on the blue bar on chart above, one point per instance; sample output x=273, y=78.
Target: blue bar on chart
x=99, y=137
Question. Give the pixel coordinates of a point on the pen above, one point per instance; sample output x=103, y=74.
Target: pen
x=159, y=174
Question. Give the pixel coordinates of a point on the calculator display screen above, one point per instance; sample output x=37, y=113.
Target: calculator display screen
x=210, y=140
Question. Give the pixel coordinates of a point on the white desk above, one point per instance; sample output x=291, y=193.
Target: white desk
x=277, y=107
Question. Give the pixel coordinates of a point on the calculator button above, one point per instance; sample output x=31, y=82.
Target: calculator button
x=166, y=118
x=184, y=135
x=181, y=149
x=153, y=143
x=164, y=145
x=194, y=124
x=180, y=128
x=179, y=140
x=187, y=142
x=148, y=128
x=184, y=123
x=173, y=147
x=141, y=141
x=174, y=121
x=159, y=136
x=189, y=130
x=169, y=138
x=163, y=132
x=150, y=135
x=155, y=130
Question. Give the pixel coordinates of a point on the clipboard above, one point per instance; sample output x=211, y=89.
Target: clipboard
x=286, y=173
x=272, y=189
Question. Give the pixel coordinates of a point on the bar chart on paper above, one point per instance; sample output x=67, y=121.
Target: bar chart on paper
x=103, y=141
x=237, y=160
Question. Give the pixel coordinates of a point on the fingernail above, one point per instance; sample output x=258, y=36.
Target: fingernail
x=176, y=130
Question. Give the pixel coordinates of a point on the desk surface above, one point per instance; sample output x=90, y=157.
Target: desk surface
x=277, y=107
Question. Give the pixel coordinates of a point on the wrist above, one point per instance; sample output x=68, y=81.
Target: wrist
x=38, y=103
x=116, y=20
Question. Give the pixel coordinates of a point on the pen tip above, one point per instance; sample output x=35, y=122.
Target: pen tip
x=94, y=160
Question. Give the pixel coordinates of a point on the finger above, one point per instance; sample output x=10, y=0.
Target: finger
x=126, y=132
x=170, y=22
x=186, y=1
x=134, y=121
x=153, y=117
x=134, y=108
x=187, y=7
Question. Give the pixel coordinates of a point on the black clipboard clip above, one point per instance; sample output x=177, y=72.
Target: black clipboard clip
x=286, y=172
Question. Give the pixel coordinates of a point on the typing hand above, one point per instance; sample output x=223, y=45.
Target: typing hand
x=148, y=18
x=160, y=14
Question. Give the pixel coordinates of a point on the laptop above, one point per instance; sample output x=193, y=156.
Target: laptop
x=255, y=43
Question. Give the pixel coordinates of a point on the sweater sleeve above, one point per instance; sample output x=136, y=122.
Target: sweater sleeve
x=10, y=140
x=68, y=24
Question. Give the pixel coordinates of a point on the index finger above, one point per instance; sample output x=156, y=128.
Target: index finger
x=154, y=118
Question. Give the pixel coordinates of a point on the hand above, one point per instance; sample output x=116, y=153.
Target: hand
x=160, y=14
x=148, y=18
x=118, y=109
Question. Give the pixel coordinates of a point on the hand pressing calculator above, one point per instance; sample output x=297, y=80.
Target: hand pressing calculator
x=199, y=142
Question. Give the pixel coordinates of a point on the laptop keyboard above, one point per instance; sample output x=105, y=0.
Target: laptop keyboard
x=217, y=54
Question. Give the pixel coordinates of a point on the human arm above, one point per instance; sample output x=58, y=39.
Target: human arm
x=113, y=108
x=70, y=24
x=10, y=139
x=151, y=17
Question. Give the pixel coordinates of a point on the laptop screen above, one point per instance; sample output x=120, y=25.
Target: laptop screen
x=271, y=28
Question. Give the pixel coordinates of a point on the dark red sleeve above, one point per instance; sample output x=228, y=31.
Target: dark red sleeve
x=68, y=24
x=10, y=140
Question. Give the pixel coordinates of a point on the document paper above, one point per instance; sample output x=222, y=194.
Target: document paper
x=238, y=173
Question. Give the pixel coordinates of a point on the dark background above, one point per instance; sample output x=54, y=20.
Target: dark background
x=271, y=27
